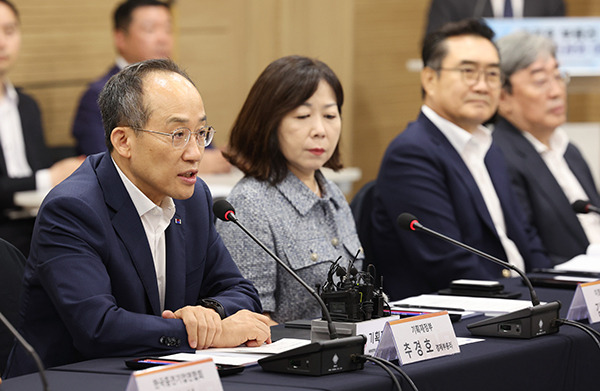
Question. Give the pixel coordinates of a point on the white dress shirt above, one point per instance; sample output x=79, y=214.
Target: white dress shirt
x=472, y=148
x=554, y=157
x=155, y=220
x=12, y=140
x=498, y=8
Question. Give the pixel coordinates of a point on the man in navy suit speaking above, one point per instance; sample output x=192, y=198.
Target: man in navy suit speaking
x=445, y=170
x=125, y=259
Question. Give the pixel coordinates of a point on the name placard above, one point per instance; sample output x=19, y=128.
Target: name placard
x=586, y=302
x=418, y=338
x=188, y=376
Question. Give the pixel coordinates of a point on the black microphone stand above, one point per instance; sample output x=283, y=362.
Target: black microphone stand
x=28, y=348
x=330, y=325
x=317, y=358
x=527, y=323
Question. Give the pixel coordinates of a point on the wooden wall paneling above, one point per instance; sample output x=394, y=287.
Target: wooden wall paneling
x=388, y=33
x=324, y=29
x=245, y=36
x=212, y=49
x=65, y=45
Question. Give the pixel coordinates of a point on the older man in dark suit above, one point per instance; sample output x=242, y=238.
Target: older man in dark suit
x=547, y=171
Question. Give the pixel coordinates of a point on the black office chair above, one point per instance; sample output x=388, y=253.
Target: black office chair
x=362, y=208
x=12, y=266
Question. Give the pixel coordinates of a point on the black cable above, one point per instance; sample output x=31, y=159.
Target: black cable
x=400, y=371
x=590, y=331
x=363, y=358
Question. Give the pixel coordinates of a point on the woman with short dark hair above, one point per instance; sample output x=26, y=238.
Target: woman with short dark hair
x=287, y=130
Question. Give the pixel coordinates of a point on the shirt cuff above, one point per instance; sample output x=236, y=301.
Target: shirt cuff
x=43, y=182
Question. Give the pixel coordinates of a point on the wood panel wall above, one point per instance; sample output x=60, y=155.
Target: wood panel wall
x=225, y=44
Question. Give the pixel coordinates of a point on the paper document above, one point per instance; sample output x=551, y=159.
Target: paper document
x=588, y=262
x=488, y=306
x=241, y=355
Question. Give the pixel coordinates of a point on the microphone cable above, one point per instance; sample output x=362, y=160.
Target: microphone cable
x=361, y=358
x=587, y=329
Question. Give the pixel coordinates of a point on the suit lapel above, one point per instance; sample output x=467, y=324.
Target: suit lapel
x=580, y=170
x=129, y=228
x=457, y=164
x=544, y=180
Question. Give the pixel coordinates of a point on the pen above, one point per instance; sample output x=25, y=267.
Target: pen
x=428, y=307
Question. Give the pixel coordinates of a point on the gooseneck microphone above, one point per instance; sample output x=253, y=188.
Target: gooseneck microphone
x=581, y=206
x=225, y=212
x=28, y=348
x=410, y=222
x=527, y=323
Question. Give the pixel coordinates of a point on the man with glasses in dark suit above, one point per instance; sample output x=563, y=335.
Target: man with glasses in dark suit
x=125, y=257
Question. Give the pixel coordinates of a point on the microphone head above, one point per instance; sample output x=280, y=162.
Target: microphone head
x=408, y=221
x=581, y=206
x=224, y=210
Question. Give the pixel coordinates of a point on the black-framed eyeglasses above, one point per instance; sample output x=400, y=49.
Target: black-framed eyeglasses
x=471, y=75
x=181, y=136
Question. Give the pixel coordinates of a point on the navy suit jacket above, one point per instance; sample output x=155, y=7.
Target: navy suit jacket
x=444, y=11
x=88, y=130
x=38, y=155
x=543, y=200
x=90, y=284
x=423, y=174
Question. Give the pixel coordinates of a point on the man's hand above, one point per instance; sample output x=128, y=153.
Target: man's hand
x=244, y=327
x=203, y=325
x=63, y=168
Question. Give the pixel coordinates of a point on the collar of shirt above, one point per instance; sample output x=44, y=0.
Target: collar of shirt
x=559, y=142
x=301, y=197
x=121, y=62
x=466, y=144
x=10, y=94
x=142, y=203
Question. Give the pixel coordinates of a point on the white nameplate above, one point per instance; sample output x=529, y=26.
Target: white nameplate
x=586, y=302
x=418, y=338
x=188, y=376
x=373, y=330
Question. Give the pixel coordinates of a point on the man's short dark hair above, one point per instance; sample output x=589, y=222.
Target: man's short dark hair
x=121, y=100
x=123, y=14
x=12, y=7
x=284, y=85
x=434, y=45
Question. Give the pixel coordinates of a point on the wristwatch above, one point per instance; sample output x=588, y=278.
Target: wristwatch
x=213, y=304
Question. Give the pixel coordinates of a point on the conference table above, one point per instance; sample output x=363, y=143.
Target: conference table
x=567, y=360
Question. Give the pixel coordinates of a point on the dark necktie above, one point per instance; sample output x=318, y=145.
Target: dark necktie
x=508, y=11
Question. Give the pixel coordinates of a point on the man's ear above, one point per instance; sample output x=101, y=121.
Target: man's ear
x=429, y=79
x=121, y=138
x=119, y=37
x=505, y=103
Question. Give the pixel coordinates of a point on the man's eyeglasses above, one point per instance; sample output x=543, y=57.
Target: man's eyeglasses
x=471, y=75
x=181, y=136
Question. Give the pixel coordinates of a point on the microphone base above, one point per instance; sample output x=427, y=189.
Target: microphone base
x=318, y=358
x=526, y=323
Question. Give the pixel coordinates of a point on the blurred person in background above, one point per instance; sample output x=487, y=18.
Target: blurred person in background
x=142, y=30
x=25, y=160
